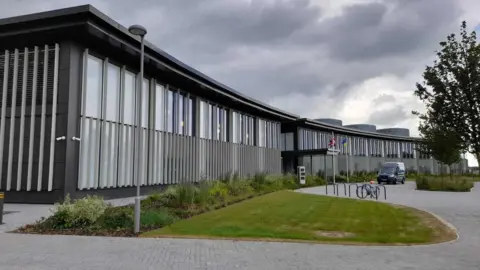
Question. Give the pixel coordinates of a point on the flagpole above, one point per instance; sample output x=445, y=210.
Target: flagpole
x=348, y=168
x=333, y=157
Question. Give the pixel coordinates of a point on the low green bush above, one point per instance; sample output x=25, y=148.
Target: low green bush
x=218, y=191
x=238, y=187
x=259, y=181
x=157, y=218
x=78, y=213
x=116, y=218
x=290, y=181
x=314, y=180
x=443, y=184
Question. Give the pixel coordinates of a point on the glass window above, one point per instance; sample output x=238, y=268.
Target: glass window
x=93, y=87
x=159, y=107
x=202, y=120
x=234, y=127
x=219, y=124
x=242, y=129
x=180, y=117
x=111, y=93
x=129, y=99
x=224, y=124
x=170, y=111
x=210, y=124
x=261, y=131
x=190, y=117
x=246, y=120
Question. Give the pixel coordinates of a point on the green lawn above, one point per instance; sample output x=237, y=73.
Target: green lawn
x=294, y=216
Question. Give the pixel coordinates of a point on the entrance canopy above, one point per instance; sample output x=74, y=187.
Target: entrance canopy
x=301, y=153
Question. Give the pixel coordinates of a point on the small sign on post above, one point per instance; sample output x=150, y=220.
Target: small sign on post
x=301, y=175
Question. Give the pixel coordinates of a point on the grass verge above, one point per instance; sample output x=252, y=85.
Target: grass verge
x=291, y=216
x=444, y=183
x=94, y=216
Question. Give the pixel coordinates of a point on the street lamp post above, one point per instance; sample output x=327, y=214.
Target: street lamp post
x=138, y=30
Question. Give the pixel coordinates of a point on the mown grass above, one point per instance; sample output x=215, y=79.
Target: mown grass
x=94, y=216
x=295, y=216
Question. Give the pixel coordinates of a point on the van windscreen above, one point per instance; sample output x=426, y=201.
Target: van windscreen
x=387, y=170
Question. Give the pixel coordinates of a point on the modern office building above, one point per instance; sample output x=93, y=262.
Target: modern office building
x=67, y=117
x=362, y=147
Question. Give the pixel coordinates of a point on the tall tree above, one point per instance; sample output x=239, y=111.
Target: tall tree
x=451, y=89
x=441, y=143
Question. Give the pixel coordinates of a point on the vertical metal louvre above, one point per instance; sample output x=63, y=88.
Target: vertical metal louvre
x=29, y=79
x=183, y=139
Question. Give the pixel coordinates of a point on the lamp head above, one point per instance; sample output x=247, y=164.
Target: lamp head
x=137, y=30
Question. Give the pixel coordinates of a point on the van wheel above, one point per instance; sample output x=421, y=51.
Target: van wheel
x=403, y=182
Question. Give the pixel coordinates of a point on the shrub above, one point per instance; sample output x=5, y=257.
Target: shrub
x=81, y=212
x=290, y=181
x=155, y=200
x=181, y=195
x=202, y=198
x=272, y=183
x=238, y=187
x=157, y=218
x=259, y=181
x=116, y=218
x=340, y=179
x=218, y=191
x=313, y=180
x=443, y=184
x=186, y=194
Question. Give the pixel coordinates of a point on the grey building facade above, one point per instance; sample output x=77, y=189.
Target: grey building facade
x=68, y=81
x=366, y=149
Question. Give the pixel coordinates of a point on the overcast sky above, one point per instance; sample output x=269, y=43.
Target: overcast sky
x=356, y=60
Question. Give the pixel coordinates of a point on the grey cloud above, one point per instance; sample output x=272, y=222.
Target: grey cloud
x=255, y=23
x=372, y=31
x=276, y=81
x=221, y=24
x=366, y=40
x=389, y=117
x=309, y=55
x=383, y=98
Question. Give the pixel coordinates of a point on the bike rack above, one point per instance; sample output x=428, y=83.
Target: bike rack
x=349, y=190
x=344, y=188
x=359, y=188
x=384, y=190
x=326, y=188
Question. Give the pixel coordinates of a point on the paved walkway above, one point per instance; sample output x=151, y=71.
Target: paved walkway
x=67, y=252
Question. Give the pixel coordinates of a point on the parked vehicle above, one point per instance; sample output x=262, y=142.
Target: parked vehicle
x=392, y=173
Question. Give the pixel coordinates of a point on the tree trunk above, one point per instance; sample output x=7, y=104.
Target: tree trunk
x=450, y=171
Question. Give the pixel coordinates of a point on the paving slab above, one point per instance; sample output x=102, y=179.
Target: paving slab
x=76, y=252
x=18, y=215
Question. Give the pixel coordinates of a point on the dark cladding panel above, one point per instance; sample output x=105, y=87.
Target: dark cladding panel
x=330, y=121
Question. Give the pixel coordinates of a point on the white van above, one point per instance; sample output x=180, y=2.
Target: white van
x=392, y=173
